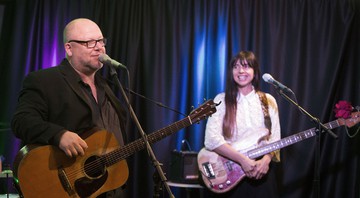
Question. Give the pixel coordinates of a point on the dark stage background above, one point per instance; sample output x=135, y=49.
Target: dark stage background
x=176, y=52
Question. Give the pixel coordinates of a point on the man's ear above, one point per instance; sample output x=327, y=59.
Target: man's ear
x=68, y=49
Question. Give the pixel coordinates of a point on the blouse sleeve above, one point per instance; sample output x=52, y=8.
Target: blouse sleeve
x=213, y=132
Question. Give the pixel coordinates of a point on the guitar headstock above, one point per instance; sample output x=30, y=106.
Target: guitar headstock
x=343, y=111
x=350, y=122
x=202, y=112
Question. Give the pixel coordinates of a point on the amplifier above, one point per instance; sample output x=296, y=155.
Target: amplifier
x=183, y=167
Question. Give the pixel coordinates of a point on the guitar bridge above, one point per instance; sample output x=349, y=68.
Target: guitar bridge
x=64, y=180
x=208, y=170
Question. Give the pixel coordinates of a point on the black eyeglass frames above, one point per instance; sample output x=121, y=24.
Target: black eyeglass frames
x=90, y=43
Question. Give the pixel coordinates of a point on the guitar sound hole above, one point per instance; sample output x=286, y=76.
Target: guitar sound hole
x=94, y=167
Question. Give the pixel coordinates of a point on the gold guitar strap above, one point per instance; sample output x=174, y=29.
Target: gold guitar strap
x=265, y=108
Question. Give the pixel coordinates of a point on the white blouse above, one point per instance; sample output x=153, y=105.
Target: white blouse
x=250, y=125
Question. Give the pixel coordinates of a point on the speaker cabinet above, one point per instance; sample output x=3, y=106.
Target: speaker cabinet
x=183, y=167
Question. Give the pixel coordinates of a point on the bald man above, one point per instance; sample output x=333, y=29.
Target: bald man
x=56, y=106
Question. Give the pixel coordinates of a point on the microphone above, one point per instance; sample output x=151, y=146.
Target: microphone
x=105, y=59
x=269, y=79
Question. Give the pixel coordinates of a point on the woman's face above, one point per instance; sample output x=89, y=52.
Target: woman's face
x=243, y=74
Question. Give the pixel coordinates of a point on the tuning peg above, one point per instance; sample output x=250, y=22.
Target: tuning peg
x=357, y=108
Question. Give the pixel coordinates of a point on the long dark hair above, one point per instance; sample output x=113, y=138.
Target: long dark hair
x=231, y=91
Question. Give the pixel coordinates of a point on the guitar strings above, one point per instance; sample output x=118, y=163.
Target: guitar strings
x=100, y=163
x=120, y=153
x=116, y=155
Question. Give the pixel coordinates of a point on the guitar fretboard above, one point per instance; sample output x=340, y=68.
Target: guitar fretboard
x=257, y=152
x=123, y=152
x=139, y=144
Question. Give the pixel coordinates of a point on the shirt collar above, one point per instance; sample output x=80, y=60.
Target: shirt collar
x=248, y=96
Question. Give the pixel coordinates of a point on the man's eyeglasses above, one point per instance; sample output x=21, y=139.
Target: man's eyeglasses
x=90, y=43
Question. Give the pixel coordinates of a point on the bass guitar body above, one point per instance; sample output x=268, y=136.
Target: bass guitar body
x=219, y=174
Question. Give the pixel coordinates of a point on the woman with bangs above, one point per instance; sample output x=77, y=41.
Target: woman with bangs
x=245, y=119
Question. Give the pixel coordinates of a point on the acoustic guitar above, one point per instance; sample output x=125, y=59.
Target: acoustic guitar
x=45, y=170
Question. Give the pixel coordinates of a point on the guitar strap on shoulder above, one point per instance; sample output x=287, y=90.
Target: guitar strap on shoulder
x=267, y=122
x=265, y=108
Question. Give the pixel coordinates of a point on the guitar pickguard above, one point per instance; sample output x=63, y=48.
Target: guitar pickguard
x=87, y=186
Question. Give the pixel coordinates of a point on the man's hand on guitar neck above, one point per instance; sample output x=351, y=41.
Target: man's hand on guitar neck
x=72, y=144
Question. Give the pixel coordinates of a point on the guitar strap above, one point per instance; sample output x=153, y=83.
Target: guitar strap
x=267, y=122
x=265, y=108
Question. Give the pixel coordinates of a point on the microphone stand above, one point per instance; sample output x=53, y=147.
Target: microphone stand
x=155, y=102
x=151, y=154
x=320, y=127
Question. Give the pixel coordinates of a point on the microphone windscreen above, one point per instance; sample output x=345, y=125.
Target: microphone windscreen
x=104, y=58
x=267, y=77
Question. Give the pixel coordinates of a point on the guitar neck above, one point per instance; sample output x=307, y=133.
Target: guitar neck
x=258, y=152
x=139, y=144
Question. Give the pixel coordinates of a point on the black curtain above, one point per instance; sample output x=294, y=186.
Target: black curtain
x=176, y=52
